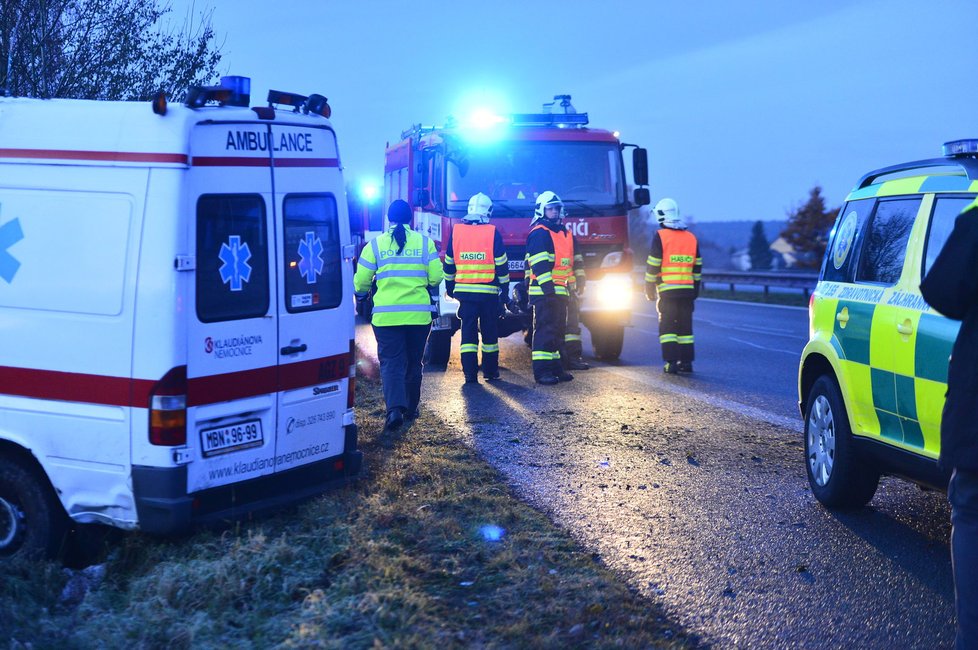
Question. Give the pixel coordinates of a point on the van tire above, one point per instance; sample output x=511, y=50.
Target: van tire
x=838, y=475
x=439, y=348
x=608, y=341
x=33, y=524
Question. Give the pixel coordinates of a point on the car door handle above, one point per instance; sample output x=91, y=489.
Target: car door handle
x=294, y=349
x=905, y=328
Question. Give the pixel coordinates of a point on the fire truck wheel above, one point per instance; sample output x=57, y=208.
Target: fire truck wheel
x=32, y=522
x=439, y=348
x=608, y=341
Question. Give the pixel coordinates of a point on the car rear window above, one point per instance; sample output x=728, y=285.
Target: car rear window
x=884, y=245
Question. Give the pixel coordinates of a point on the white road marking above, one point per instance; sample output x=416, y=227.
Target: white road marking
x=792, y=424
x=793, y=353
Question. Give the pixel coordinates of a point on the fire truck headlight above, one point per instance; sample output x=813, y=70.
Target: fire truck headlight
x=614, y=290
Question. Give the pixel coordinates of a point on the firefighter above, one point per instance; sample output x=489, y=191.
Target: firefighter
x=407, y=271
x=477, y=274
x=572, y=335
x=550, y=255
x=673, y=273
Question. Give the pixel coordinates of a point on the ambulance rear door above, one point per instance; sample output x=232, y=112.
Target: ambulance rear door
x=232, y=337
x=315, y=310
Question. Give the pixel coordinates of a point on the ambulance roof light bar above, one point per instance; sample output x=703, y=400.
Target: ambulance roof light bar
x=967, y=147
x=281, y=98
x=316, y=104
x=232, y=91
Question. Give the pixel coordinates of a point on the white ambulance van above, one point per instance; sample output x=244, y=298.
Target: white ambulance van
x=176, y=325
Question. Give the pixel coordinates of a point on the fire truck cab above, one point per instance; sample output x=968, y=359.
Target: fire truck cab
x=513, y=159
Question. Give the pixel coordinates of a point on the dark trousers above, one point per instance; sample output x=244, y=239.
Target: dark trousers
x=399, y=350
x=963, y=495
x=572, y=331
x=675, y=327
x=549, y=321
x=479, y=314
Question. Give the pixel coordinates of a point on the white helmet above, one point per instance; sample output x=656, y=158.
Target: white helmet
x=548, y=200
x=480, y=209
x=667, y=212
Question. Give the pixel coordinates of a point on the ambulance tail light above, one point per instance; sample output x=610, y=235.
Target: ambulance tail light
x=168, y=409
x=352, y=387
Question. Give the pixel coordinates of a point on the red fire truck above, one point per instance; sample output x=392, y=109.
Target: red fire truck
x=513, y=159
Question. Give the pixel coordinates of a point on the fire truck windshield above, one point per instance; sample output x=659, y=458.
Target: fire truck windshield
x=514, y=173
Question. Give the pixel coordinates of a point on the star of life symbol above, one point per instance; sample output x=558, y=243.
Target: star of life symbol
x=310, y=257
x=10, y=234
x=235, y=269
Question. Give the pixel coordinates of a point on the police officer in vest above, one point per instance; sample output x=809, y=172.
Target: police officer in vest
x=408, y=271
x=673, y=273
x=477, y=274
x=550, y=258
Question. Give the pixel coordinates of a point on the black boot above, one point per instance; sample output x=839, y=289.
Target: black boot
x=394, y=419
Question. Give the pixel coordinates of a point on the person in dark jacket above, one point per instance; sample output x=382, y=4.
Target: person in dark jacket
x=951, y=287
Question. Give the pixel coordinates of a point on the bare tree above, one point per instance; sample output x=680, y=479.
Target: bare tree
x=102, y=49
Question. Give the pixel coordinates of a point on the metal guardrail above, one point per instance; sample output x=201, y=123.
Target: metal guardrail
x=767, y=279
x=791, y=280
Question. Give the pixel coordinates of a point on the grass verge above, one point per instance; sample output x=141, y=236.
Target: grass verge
x=401, y=559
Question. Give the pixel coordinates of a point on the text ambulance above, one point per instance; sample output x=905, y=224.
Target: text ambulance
x=513, y=159
x=176, y=329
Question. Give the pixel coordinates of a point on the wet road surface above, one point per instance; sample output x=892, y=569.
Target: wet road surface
x=695, y=492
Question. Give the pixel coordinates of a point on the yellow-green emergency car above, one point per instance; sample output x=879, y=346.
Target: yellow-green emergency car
x=873, y=375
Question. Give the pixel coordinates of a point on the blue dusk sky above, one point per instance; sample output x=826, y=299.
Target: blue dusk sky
x=743, y=106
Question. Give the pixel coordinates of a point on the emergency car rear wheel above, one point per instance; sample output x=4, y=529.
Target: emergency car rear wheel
x=839, y=478
x=32, y=522
x=608, y=342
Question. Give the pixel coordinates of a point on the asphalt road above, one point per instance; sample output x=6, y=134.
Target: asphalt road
x=693, y=488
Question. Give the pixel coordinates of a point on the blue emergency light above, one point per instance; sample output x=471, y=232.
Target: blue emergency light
x=968, y=147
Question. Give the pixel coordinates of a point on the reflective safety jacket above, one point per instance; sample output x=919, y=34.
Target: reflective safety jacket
x=674, y=264
x=550, y=259
x=475, y=260
x=403, y=280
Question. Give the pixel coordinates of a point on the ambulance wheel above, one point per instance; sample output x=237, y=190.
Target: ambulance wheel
x=838, y=476
x=32, y=522
x=439, y=348
x=608, y=341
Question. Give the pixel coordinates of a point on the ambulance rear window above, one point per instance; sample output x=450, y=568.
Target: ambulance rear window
x=232, y=257
x=313, y=263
